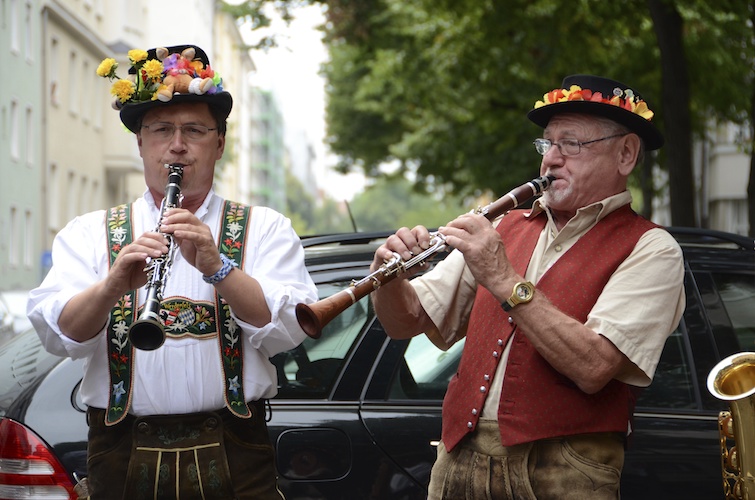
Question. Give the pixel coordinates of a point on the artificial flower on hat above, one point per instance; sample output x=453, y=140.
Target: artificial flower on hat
x=596, y=95
x=163, y=75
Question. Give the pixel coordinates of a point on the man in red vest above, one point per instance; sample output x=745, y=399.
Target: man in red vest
x=565, y=308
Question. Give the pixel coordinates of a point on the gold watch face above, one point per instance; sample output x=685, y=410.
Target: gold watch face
x=523, y=292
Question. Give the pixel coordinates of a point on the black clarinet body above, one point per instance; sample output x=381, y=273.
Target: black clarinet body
x=148, y=333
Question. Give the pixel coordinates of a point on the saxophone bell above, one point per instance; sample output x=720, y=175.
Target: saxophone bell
x=733, y=380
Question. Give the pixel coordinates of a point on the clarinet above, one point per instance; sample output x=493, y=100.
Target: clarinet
x=147, y=333
x=314, y=317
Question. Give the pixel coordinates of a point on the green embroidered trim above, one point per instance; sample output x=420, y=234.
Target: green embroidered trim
x=120, y=351
x=232, y=237
x=181, y=317
x=184, y=318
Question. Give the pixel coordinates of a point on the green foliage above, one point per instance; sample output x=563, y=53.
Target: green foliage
x=443, y=86
x=254, y=13
x=392, y=202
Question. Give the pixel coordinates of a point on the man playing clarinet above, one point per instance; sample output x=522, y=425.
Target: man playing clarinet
x=185, y=418
x=565, y=308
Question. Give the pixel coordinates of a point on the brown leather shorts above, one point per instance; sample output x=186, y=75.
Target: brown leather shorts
x=565, y=468
x=212, y=455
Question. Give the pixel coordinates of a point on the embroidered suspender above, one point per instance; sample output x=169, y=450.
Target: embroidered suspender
x=231, y=241
x=180, y=317
x=119, y=349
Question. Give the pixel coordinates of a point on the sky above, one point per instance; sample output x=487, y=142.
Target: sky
x=291, y=72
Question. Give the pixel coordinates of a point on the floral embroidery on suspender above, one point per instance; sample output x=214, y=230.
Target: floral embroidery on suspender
x=120, y=351
x=232, y=238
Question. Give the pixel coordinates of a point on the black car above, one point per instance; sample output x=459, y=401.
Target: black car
x=358, y=414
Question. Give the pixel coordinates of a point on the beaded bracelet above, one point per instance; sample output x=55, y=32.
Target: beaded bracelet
x=224, y=271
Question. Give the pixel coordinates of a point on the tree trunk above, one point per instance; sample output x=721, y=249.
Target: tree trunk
x=675, y=97
x=751, y=182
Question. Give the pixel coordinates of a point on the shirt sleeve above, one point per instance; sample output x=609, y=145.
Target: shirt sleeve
x=76, y=254
x=275, y=258
x=447, y=293
x=642, y=303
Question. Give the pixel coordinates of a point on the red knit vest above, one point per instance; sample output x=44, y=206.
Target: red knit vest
x=537, y=402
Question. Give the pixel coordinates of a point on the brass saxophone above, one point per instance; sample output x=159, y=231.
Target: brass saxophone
x=733, y=380
x=147, y=333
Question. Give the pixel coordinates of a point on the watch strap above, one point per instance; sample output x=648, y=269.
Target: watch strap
x=225, y=270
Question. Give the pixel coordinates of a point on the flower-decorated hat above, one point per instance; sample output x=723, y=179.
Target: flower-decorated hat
x=600, y=96
x=162, y=76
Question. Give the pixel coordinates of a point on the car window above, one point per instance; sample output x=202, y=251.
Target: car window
x=737, y=292
x=672, y=385
x=309, y=371
x=425, y=370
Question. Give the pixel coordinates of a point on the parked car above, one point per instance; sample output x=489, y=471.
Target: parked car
x=358, y=414
x=13, y=318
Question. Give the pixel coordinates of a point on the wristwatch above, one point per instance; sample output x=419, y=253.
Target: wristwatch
x=522, y=293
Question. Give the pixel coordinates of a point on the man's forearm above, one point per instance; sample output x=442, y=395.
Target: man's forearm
x=399, y=310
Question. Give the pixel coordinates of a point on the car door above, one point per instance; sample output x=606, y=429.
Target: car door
x=402, y=406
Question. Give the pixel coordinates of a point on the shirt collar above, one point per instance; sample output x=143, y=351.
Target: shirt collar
x=200, y=213
x=589, y=214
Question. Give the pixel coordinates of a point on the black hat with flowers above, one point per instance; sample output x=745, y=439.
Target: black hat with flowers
x=595, y=95
x=162, y=76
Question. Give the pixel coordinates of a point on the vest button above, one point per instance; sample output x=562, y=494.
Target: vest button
x=495, y=354
x=474, y=411
x=470, y=425
x=482, y=388
x=500, y=341
x=511, y=320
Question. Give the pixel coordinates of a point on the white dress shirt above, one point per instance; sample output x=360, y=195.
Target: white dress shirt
x=185, y=375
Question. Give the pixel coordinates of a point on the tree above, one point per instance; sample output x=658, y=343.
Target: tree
x=441, y=87
x=392, y=202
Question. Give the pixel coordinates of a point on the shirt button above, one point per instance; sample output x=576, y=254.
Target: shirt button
x=558, y=248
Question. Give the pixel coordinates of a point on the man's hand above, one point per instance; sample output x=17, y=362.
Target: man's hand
x=405, y=242
x=195, y=240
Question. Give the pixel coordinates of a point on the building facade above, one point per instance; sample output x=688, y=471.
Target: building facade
x=63, y=149
x=21, y=164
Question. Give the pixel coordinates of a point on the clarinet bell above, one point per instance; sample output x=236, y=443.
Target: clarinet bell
x=147, y=334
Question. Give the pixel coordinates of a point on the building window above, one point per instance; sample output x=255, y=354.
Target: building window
x=28, y=240
x=73, y=85
x=82, y=196
x=86, y=80
x=14, y=35
x=13, y=238
x=14, y=148
x=53, y=199
x=54, y=68
x=73, y=196
x=28, y=38
x=29, y=137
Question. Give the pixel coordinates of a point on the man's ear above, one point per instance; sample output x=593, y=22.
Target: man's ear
x=628, y=154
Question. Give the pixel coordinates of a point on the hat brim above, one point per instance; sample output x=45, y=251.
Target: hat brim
x=645, y=129
x=131, y=114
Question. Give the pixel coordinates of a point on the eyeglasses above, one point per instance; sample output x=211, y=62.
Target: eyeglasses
x=164, y=131
x=567, y=147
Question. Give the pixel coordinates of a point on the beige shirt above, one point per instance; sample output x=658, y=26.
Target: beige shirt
x=640, y=306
